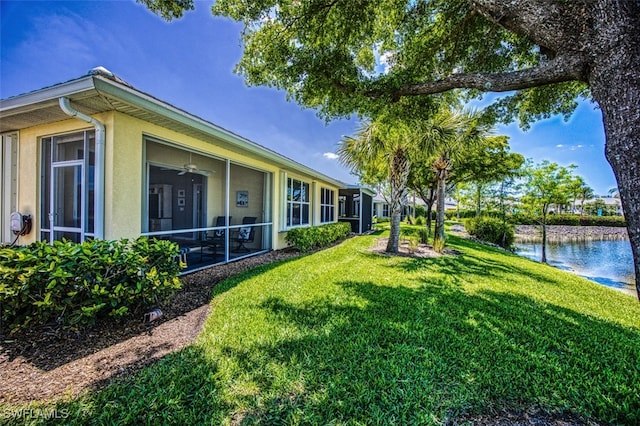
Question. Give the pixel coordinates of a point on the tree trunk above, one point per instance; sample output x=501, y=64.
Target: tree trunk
x=429, y=212
x=399, y=172
x=394, y=233
x=428, y=202
x=615, y=85
x=438, y=238
x=503, y=212
x=544, y=239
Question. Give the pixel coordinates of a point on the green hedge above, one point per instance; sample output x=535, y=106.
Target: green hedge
x=75, y=284
x=570, y=220
x=491, y=230
x=452, y=214
x=308, y=238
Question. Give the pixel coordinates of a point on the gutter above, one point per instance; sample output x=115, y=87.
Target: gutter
x=108, y=87
x=98, y=224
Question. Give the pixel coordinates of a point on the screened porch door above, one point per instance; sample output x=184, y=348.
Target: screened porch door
x=67, y=187
x=67, y=203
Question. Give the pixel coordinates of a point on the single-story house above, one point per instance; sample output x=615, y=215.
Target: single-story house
x=94, y=157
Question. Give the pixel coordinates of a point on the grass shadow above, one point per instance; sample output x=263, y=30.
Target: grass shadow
x=434, y=353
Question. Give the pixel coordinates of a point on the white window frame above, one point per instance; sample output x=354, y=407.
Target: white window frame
x=290, y=203
x=327, y=194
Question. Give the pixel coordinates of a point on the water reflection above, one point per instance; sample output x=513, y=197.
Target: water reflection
x=608, y=262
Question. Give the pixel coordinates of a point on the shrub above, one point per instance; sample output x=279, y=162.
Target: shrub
x=423, y=235
x=522, y=218
x=420, y=211
x=307, y=238
x=419, y=234
x=563, y=219
x=570, y=220
x=491, y=230
x=617, y=221
x=76, y=284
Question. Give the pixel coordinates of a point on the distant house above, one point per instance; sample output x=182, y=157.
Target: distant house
x=355, y=206
x=94, y=157
x=381, y=208
x=603, y=206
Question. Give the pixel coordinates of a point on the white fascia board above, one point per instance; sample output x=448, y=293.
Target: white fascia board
x=150, y=103
x=33, y=100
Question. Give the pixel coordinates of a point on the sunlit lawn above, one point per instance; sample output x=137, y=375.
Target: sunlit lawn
x=345, y=336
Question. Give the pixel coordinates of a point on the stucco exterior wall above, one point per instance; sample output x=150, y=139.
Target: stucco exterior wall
x=125, y=141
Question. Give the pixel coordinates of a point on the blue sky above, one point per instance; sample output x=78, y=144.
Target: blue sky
x=189, y=63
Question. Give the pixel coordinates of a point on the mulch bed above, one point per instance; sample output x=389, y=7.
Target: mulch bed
x=406, y=250
x=47, y=363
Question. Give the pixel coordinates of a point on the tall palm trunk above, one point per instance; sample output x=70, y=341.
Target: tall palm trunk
x=399, y=172
x=478, y=198
x=441, y=167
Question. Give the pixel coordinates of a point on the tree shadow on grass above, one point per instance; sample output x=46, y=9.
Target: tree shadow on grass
x=178, y=390
x=384, y=355
x=466, y=263
x=439, y=351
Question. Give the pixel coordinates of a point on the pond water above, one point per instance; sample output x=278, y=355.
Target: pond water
x=607, y=262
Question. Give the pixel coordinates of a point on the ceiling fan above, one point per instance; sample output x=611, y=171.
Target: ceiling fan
x=190, y=167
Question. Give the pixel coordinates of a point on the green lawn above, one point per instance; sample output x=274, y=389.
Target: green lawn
x=344, y=336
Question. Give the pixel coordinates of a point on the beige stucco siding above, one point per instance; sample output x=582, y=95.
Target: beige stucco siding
x=125, y=141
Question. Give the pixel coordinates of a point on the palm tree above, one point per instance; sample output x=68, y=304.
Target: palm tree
x=384, y=150
x=446, y=137
x=585, y=193
x=377, y=153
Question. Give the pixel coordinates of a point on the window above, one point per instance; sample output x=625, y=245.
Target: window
x=385, y=210
x=327, y=206
x=297, y=202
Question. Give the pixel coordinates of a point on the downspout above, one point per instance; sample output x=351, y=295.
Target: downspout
x=98, y=217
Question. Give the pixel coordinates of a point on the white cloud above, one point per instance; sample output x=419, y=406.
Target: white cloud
x=570, y=147
x=330, y=155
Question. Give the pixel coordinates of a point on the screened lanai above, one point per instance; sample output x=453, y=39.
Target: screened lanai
x=216, y=210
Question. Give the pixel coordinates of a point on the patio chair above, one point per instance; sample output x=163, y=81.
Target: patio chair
x=214, y=238
x=246, y=234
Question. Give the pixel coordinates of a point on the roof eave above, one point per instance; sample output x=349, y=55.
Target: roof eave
x=142, y=100
x=106, y=86
x=33, y=100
